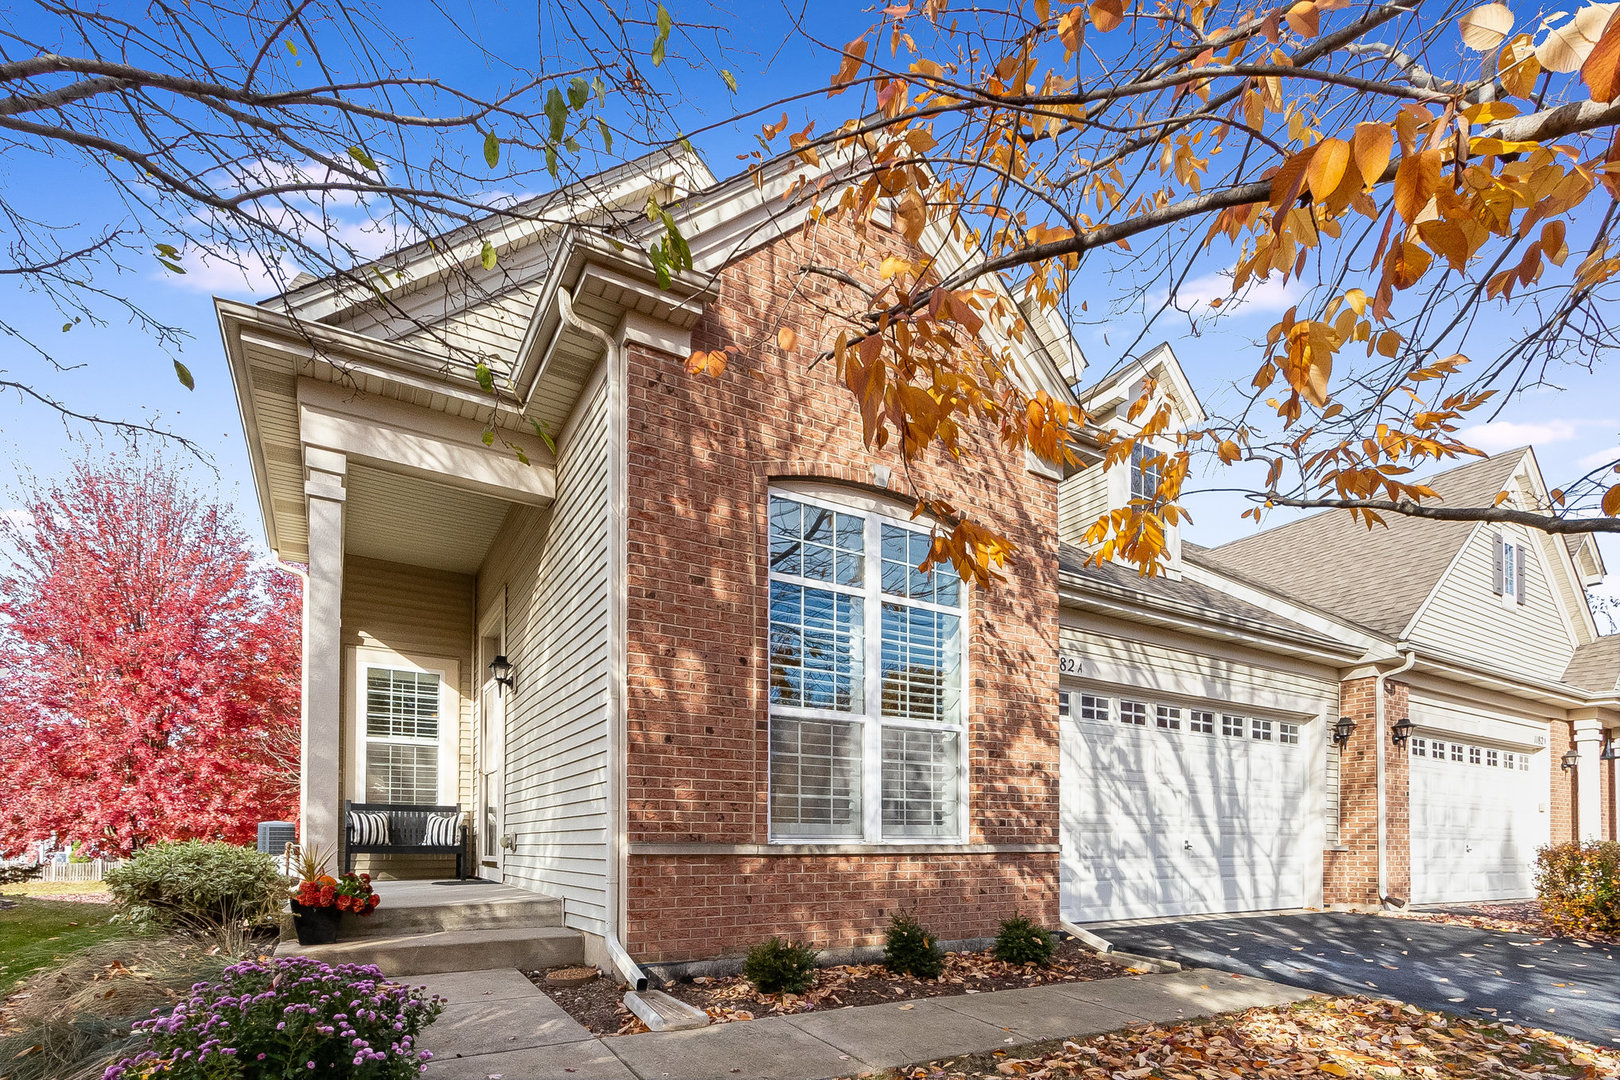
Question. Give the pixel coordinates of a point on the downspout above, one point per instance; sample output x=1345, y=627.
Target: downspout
x=1383, y=803
x=624, y=967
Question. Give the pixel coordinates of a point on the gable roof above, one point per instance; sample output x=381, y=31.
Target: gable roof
x=1596, y=666
x=1376, y=578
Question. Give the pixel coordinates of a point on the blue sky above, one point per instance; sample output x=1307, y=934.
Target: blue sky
x=120, y=372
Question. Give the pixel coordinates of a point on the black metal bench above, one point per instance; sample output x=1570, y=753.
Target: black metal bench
x=407, y=833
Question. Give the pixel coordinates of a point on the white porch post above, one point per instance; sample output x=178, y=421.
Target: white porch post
x=320, y=790
x=1588, y=783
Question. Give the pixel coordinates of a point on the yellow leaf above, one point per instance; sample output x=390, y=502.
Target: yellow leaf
x=1107, y=14
x=1372, y=144
x=894, y=266
x=1486, y=27
x=1611, y=501
x=1357, y=299
x=786, y=339
x=1333, y=1068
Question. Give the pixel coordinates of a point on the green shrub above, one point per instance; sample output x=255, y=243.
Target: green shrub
x=1579, y=886
x=912, y=950
x=1022, y=942
x=778, y=967
x=198, y=885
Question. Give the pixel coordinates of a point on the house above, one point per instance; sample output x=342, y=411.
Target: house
x=726, y=704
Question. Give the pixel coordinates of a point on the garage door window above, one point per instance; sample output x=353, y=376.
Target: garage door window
x=1456, y=752
x=1169, y=718
x=1201, y=721
x=1419, y=748
x=1490, y=759
x=1261, y=729
x=1473, y=755
x=1093, y=707
x=866, y=679
x=1133, y=712
x=1288, y=734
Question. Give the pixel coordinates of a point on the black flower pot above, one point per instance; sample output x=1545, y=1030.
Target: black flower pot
x=315, y=925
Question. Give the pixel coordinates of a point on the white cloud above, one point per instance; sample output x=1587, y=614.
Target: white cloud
x=1197, y=296
x=1598, y=457
x=1501, y=435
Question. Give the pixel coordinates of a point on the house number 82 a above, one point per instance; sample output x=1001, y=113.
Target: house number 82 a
x=1068, y=665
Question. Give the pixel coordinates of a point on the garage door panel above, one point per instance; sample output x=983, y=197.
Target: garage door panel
x=1475, y=825
x=1162, y=821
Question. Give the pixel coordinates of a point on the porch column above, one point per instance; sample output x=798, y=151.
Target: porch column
x=321, y=786
x=1588, y=781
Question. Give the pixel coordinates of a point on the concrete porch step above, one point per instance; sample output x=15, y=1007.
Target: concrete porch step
x=525, y=947
x=426, y=907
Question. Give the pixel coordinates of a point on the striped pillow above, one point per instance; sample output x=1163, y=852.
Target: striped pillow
x=441, y=830
x=367, y=828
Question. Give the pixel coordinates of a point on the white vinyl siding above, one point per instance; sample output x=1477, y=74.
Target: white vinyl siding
x=554, y=571
x=1333, y=812
x=1082, y=499
x=1467, y=618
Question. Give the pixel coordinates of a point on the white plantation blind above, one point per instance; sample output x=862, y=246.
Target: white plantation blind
x=402, y=736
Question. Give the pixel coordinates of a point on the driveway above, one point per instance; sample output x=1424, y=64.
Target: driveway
x=1565, y=986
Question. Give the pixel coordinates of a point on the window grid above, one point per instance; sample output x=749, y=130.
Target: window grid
x=1456, y=751
x=1490, y=759
x=1419, y=748
x=1288, y=733
x=1144, y=476
x=1168, y=717
x=1063, y=703
x=1260, y=729
x=1093, y=707
x=1232, y=726
x=1201, y=721
x=402, y=736
x=1437, y=750
x=846, y=597
x=1133, y=712
x=1473, y=755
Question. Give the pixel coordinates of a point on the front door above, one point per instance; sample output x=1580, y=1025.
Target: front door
x=491, y=760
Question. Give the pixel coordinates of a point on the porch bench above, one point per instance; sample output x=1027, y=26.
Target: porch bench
x=407, y=833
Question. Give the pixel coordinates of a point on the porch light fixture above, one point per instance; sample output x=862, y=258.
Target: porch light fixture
x=1571, y=758
x=1343, y=730
x=1611, y=752
x=1401, y=731
x=501, y=669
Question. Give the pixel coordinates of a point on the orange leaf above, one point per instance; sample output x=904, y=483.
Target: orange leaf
x=786, y=339
x=1304, y=19
x=1611, y=501
x=1372, y=144
x=1416, y=180
x=1327, y=167
x=1107, y=14
x=1601, y=72
x=712, y=364
x=854, y=54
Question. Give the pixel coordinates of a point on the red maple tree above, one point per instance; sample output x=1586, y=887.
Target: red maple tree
x=149, y=665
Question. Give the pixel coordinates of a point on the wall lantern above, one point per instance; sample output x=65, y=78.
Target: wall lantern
x=1570, y=759
x=1401, y=731
x=1611, y=752
x=1343, y=730
x=501, y=669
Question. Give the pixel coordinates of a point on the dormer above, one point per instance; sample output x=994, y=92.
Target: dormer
x=1094, y=491
x=1583, y=551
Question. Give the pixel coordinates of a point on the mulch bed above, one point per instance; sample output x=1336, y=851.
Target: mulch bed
x=1509, y=916
x=599, y=1004
x=1350, y=1038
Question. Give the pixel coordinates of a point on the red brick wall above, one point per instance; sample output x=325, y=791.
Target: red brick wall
x=1606, y=774
x=1561, y=801
x=702, y=454
x=1350, y=876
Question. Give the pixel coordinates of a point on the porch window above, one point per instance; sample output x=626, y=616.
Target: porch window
x=866, y=679
x=402, y=736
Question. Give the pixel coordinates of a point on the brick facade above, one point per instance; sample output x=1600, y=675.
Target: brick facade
x=702, y=455
x=1561, y=802
x=1350, y=871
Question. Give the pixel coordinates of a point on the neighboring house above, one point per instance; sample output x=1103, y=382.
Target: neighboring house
x=735, y=708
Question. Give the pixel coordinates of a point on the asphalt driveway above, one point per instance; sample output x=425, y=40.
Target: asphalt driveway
x=1565, y=986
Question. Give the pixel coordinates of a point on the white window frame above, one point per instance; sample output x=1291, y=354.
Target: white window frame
x=367, y=658
x=870, y=720
x=1141, y=472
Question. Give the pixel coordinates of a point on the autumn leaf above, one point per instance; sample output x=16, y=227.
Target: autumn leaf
x=712, y=363
x=1601, y=72
x=1567, y=46
x=854, y=54
x=1416, y=179
x=1304, y=19
x=1327, y=167
x=786, y=339
x=1371, y=145
x=1106, y=15
x=1611, y=501
x=1486, y=27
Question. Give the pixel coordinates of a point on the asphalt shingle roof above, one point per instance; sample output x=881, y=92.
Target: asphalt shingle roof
x=1596, y=665
x=1376, y=578
x=1184, y=592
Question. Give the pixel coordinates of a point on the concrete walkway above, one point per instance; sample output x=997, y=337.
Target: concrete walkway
x=498, y=1024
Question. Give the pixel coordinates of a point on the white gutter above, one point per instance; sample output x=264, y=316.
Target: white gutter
x=618, y=679
x=1383, y=803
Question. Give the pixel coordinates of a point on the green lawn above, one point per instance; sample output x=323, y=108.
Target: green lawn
x=36, y=933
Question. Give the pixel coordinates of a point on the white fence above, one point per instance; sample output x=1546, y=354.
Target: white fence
x=84, y=871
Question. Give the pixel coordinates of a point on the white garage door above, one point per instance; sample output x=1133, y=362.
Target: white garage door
x=1477, y=819
x=1178, y=809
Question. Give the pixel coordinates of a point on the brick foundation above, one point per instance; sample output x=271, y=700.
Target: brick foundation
x=702, y=455
x=1350, y=874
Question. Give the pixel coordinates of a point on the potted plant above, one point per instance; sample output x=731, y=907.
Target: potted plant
x=319, y=899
